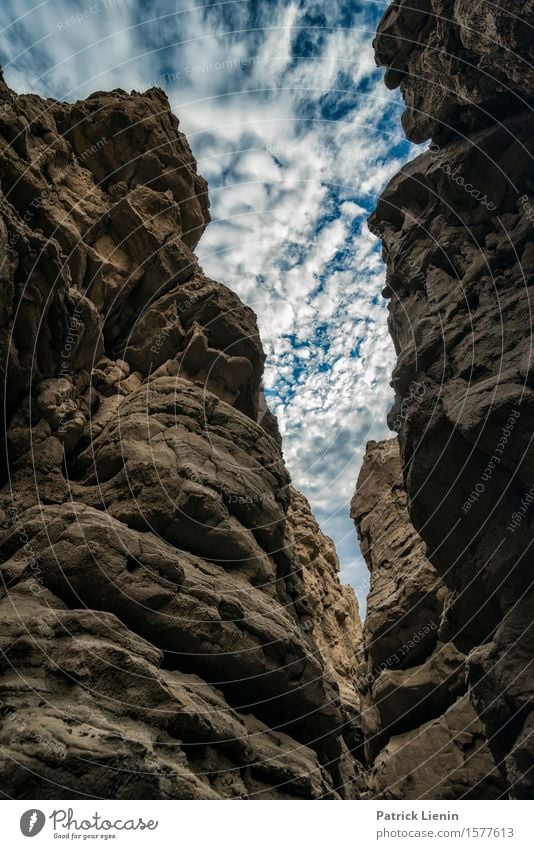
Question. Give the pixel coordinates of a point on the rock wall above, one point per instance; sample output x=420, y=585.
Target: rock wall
x=422, y=736
x=335, y=618
x=171, y=620
x=457, y=225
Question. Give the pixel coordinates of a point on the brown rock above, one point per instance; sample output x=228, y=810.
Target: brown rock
x=458, y=237
x=455, y=61
x=335, y=620
x=406, y=595
x=411, y=675
x=103, y=719
x=447, y=758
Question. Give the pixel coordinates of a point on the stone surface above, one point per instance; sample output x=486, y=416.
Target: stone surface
x=447, y=758
x=457, y=225
x=170, y=625
x=406, y=594
x=335, y=618
x=456, y=61
x=412, y=675
x=171, y=619
x=102, y=718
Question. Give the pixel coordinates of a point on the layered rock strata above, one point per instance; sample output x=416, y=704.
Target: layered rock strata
x=457, y=225
x=172, y=624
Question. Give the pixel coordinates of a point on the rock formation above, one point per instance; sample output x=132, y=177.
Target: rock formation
x=457, y=225
x=171, y=620
x=422, y=736
x=335, y=623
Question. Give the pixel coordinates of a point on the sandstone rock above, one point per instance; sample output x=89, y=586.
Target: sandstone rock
x=235, y=636
x=406, y=595
x=335, y=619
x=444, y=759
x=456, y=61
x=411, y=675
x=458, y=237
x=104, y=720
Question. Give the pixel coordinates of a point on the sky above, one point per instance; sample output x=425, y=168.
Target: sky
x=295, y=132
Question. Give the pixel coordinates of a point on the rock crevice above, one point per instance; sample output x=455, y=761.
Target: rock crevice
x=172, y=623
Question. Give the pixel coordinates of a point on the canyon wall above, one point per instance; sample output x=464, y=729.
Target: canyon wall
x=171, y=620
x=422, y=736
x=457, y=225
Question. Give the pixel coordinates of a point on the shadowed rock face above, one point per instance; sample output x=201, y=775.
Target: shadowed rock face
x=335, y=623
x=171, y=620
x=457, y=225
x=460, y=64
x=422, y=736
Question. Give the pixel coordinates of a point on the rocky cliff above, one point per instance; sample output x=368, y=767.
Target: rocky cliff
x=423, y=738
x=171, y=620
x=457, y=225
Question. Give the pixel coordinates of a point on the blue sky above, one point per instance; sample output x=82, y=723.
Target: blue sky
x=297, y=135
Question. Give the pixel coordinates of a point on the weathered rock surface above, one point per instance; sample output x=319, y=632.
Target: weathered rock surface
x=447, y=758
x=460, y=64
x=402, y=579
x=171, y=626
x=335, y=618
x=171, y=619
x=102, y=718
x=457, y=225
x=412, y=679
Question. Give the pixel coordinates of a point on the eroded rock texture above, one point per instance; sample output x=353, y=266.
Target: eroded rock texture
x=423, y=738
x=457, y=225
x=166, y=632
x=335, y=623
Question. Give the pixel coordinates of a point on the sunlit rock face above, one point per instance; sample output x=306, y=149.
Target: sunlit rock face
x=457, y=225
x=172, y=623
